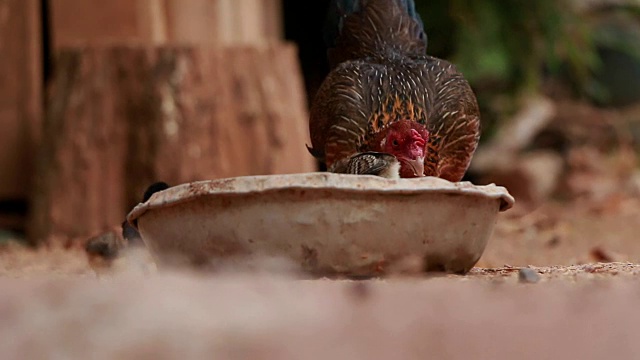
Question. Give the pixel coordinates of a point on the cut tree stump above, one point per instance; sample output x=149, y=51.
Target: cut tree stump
x=20, y=105
x=162, y=22
x=118, y=119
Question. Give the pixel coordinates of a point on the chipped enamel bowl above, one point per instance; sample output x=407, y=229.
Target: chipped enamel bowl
x=326, y=223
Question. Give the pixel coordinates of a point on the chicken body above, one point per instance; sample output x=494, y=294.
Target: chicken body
x=381, y=75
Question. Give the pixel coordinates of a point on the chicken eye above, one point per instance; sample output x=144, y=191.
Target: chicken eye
x=394, y=143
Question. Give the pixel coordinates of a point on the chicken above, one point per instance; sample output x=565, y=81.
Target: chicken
x=370, y=163
x=128, y=231
x=385, y=95
x=104, y=249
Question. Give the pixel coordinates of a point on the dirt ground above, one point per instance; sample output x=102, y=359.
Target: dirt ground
x=575, y=298
x=578, y=312
x=567, y=234
x=559, y=279
x=554, y=238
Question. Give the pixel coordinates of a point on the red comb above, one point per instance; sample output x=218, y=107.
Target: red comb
x=417, y=138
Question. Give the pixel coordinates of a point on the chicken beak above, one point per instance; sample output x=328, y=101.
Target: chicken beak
x=417, y=165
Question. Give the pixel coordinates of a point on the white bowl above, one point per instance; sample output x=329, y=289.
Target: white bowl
x=327, y=223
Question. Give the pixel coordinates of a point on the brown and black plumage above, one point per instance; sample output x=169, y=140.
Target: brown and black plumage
x=369, y=163
x=385, y=94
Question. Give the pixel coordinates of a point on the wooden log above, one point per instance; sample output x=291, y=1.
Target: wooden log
x=76, y=22
x=192, y=21
x=80, y=176
x=20, y=94
x=162, y=22
x=121, y=118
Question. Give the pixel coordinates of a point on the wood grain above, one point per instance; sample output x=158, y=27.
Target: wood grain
x=120, y=118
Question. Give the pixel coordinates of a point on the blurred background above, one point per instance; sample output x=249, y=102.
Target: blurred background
x=101, y=98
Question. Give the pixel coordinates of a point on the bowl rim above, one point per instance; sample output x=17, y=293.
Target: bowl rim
x=253, y=184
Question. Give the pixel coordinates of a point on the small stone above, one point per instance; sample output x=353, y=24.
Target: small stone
x=592, y=268
x=602, y=255
x=529, y=276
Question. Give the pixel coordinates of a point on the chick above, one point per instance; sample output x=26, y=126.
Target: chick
x=369, y=163
x=106, y=249
x=102, y=250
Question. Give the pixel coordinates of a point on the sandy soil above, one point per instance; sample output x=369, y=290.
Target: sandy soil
x=169, y=316
x=54, y=305
x=561, y=281
x=567, y=234
x=555, y=234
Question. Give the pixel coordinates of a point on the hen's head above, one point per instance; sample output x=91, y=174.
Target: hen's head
x=406, y=140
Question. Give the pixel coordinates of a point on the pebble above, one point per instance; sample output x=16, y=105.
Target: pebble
x=529, y=276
